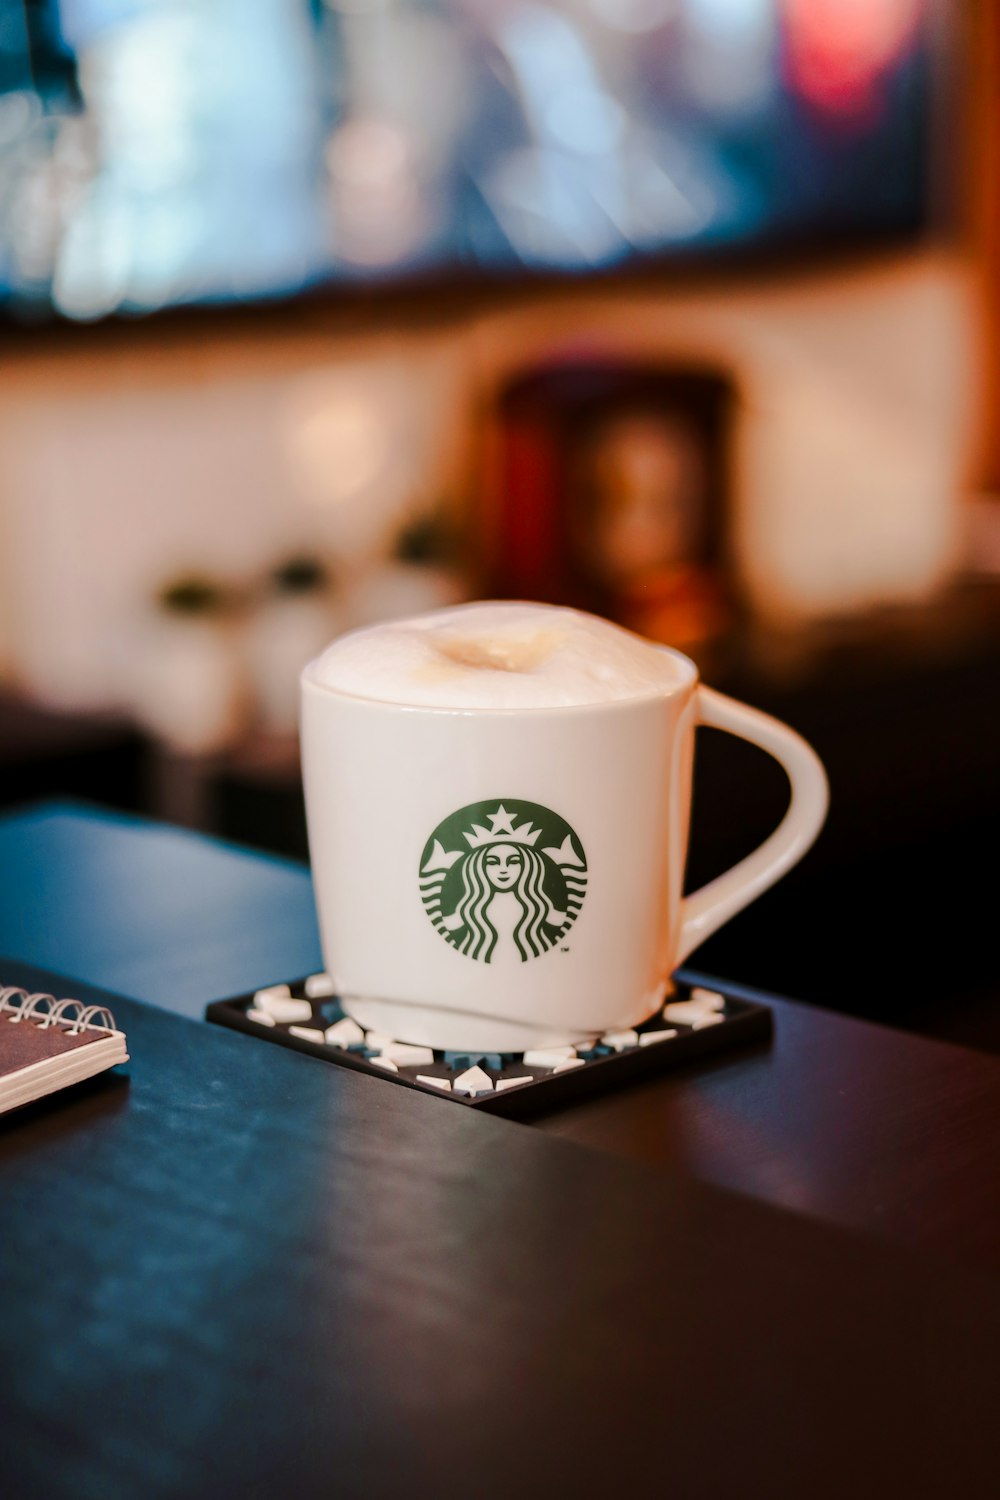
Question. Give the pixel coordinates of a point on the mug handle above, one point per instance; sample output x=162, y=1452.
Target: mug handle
x=706, y=910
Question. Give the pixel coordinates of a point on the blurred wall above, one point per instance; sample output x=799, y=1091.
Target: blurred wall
x=120, y=469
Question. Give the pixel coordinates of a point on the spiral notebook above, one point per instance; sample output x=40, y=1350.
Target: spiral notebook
x=47, y=1044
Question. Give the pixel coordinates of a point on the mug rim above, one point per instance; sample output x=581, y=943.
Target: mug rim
x=308, y=679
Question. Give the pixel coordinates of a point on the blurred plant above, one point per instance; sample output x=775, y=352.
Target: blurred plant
x=301, y=575
x=294, y=617
x=430, y=540
x=424, y=571
x=187, y=680
x=195, y=595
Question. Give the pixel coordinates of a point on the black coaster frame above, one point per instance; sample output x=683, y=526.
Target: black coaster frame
x=744, y=1022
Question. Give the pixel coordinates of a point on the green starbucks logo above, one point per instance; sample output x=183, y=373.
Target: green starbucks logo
x=499, y=872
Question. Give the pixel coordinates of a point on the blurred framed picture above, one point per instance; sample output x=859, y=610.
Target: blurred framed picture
x=610, y=492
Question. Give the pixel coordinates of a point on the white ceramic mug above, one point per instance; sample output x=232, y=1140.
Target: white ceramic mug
x=499, y=879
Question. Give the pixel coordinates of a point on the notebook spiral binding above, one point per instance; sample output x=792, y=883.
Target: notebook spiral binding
x=19, y=1005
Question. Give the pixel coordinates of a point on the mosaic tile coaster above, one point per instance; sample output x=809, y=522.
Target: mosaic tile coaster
x=700, y=1018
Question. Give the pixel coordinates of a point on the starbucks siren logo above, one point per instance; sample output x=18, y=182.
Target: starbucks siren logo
x=503, y=871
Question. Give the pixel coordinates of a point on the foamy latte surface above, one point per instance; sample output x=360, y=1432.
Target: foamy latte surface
x=500, y=656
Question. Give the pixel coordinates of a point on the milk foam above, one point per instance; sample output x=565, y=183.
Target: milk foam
x=498, y=656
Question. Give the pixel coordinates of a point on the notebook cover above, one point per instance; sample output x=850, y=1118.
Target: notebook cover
x=23, y=1043
x=38, y=1059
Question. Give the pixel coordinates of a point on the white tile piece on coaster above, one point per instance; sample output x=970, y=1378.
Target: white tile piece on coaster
x=308, y=1033
x=260, y=1016
x=406, y=1055
x=569, y=1063
x=711, y=1020
x=708, y=999
x=319, y=987
x=513, y=1083
x=344, y=1033
x=620, y=1040
x=548, y=1057
x=284, y=1009
x=378, y=1041
x=473, y=1081
x=647, y=1038
x=435, y=1083
x=271, y=992
x=687, y=1014
x=384, y=1062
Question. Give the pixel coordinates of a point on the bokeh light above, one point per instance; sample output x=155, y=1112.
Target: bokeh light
x=162, y=153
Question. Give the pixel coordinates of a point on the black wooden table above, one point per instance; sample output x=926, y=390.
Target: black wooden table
x=247, y=1272
x=866, y=1127
x=147, y=910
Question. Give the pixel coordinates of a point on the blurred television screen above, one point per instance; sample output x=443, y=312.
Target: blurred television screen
x=164, y=152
